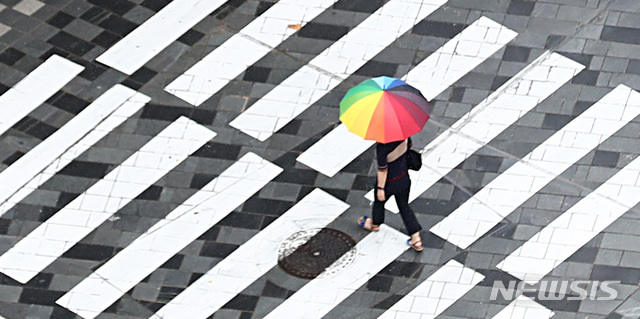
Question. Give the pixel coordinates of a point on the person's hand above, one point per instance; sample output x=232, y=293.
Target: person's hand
x=381, y=195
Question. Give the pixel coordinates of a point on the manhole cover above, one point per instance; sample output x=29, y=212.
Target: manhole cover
x=309, y=253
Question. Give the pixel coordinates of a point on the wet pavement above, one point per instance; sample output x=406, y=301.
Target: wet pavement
x=164, y=159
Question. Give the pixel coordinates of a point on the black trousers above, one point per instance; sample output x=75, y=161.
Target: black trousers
x=402, y=200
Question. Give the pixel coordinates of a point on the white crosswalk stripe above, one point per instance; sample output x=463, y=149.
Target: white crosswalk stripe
x=463, y=53
x=167, y=237
x=525, y=178
x=444, y=67
x=35, y=89
x=436, y=294
x=76, y=220
x=245, y=48
x=311, y=82
x=488, y=119
x=155, y=34
x=49, y=157
x=319, y=296
x=579, y=224
x=252, y=260
x=524, y=308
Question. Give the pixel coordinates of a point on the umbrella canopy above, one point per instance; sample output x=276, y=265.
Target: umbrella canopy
x=384, y=109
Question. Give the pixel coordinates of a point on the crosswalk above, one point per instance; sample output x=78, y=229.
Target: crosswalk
x=319, y=296
x=251, y=173
x=492, y=116
x=432, y=76
x=522, y=180
x=54, y=153
x=157, y=33
x=305, y=87
x=35, y=89
x=524, y=308
x=166, y=238
x=245, y=48
x=86, y=212
x=434, y=295
x=578, y=225
x=245, y=265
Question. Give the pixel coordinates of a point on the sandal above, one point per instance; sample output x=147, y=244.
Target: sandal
x=417, y=246
x=361, y=222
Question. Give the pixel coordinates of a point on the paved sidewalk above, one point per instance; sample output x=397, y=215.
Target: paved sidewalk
x=157, y=157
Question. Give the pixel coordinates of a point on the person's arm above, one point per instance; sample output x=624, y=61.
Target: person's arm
x=382, y=178
x=383, y=166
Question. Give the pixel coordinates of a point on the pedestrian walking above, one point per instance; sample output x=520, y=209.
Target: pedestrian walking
x=392, y=179
x=389, y=111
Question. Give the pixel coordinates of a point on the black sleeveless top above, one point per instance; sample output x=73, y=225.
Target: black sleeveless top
x=397, y=171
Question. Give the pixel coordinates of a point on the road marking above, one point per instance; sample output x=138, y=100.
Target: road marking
x=344, y=57
x=444, y=67
x=319, y=296
x=245, y=48
x=61, y=148
x=34, y=89
x=85, y=213
x=252, y=260
x=578, y=225
x=324, y=157
x=432, y=297
x=157, y=33
x=492, y=116
x=166, y=238
x=524, y=308
x=510, y=189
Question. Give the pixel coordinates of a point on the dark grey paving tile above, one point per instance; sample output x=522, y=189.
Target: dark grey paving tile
x=521, y=7
x=358, y=5
x=620, y=34
x=60, y=19
x=438, y=29
x=322, y=31
x=117, y=6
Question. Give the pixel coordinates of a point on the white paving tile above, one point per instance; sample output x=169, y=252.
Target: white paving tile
x=251, y=260
x=311, y=82
x=244, y=49
x=155, y=34
x=525, y=178
x=574, y=228
x=3, y=27
x=524, y=308
x=433, y=296
x=492, y=116
x=35, y=89
x=28, y=7
x=319, y=296
x=166, y=238
x=58, y=150
x=444, y=67
x=85, y=213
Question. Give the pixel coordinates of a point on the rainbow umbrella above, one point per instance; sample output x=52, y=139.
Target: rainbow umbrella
x=384, y=109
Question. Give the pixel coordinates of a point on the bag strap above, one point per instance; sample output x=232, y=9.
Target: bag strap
x=398, y=151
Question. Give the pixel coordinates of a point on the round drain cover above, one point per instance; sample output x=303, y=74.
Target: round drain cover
x=309, y=253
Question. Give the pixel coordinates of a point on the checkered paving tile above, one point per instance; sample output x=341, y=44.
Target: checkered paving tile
x=156, y=155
